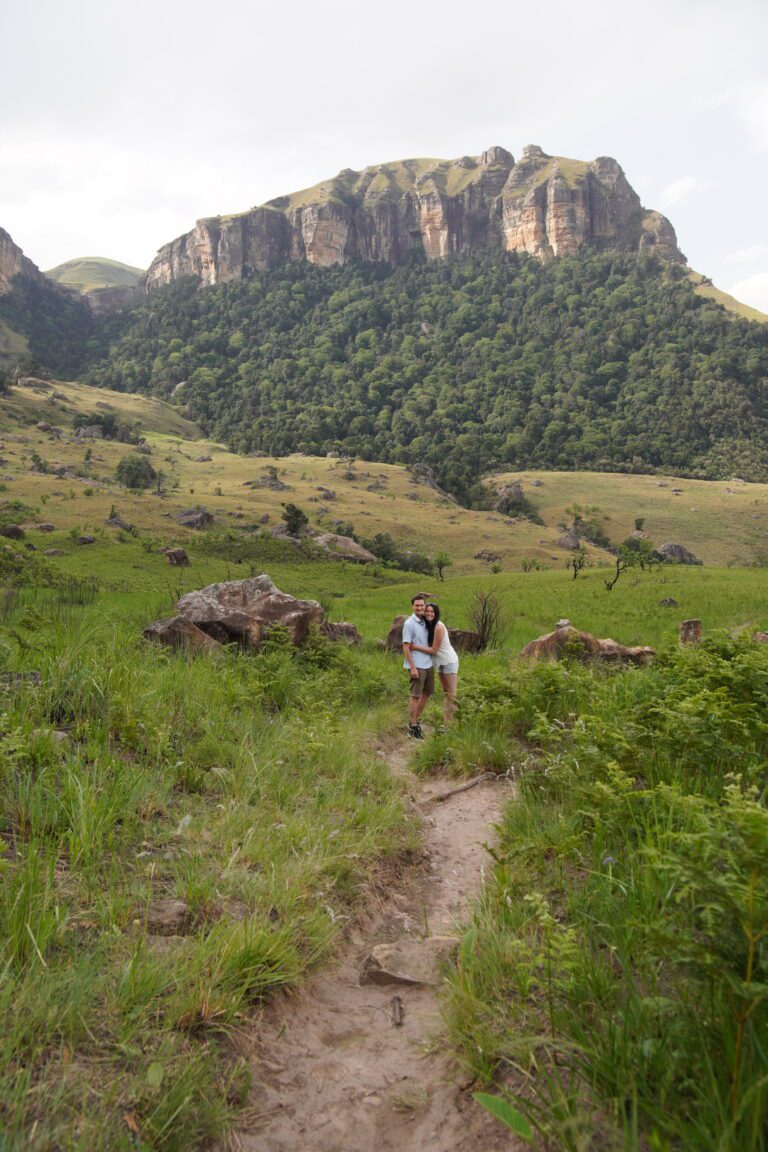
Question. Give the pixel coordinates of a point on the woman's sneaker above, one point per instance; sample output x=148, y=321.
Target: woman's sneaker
x=415, y=731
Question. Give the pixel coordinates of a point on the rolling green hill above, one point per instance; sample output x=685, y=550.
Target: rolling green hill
x=91, y=272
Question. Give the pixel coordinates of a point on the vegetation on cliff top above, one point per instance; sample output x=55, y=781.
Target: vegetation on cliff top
x=607, y=362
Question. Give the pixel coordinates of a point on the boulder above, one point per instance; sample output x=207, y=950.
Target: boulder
x=394, y=640
x=12, y=532
x=760, y=637
x=245, y=610
x=341, y=631
x=202, y=459
x=668, y=602
x=178, y=632
x=197, y=518
x=53, y=552
x=177, y=557
x=510, y=499
x=46, y=528
x=86, y=538
x=488, y=556
x=463, y=640
x=90, y=432
x=568, y=641
x=672, y=553
x=570, y=541
x=118, y=522
x=410, y=961
x=343, y=548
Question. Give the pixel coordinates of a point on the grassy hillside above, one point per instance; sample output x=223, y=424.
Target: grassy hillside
x=721, y=522
x=12, y=345
x=702, y=286
x=90, y=272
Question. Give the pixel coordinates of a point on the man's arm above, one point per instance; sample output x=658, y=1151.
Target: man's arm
x=409, y=658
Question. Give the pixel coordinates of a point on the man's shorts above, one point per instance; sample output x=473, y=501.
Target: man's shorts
x=425, y=685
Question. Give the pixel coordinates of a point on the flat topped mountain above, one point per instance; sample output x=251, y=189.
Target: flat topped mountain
x=543, y=205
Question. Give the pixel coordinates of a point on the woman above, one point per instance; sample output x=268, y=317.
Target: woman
x=446, y=659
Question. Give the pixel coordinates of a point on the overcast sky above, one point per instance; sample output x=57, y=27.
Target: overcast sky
x=121, y=125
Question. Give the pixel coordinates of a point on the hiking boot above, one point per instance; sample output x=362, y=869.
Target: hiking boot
x=415, y=731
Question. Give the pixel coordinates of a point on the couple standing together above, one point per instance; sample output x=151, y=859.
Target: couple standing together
x=426, y=646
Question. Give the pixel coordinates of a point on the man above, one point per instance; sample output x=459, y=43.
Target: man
x=419, y=664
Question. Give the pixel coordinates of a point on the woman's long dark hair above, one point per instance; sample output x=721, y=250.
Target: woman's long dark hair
x=432, y=624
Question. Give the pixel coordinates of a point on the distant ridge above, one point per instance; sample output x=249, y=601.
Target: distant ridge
x=108, y=285
x=88, y=273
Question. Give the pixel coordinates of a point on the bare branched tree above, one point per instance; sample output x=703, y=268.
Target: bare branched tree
x=488, y=619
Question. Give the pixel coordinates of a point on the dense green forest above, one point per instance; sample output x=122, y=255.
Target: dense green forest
x=602, y=361
x=496, y=361
x=57, y=326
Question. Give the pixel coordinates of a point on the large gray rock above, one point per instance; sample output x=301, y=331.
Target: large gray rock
x=245, y=610
x=675, y=554
x=570, y=541
x=568, y=641
x=341, y=631
x=344, y=548
x=197, y=518
x=394, y=640
x=177, y=557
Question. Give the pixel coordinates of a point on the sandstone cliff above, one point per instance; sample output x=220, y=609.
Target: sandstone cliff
x=13, y=262
x=543, y=205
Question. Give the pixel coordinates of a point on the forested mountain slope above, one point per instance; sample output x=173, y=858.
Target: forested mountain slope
x=493, y=361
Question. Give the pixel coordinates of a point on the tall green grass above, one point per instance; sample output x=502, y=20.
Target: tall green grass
x=247, y=786
x=615, y=977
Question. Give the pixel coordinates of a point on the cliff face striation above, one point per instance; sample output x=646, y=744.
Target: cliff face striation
x=13, y=262
x=544, y=205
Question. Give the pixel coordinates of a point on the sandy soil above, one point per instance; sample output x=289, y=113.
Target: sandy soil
x=331, y=1070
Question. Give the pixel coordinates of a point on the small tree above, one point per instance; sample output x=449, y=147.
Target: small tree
x=295, y=519
x=578, y=561
x=487, y=619
x=442, y=561
x=135, y=471
x=633, y=553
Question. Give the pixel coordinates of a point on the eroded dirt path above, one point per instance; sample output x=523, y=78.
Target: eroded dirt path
x=332, y=1071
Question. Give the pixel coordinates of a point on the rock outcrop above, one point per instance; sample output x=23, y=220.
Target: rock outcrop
x=543, y=205
x=245, y=610
x=671, y=553
x=13, y=262
x=569, y=641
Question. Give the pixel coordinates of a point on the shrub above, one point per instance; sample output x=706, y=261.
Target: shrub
x=135, y=471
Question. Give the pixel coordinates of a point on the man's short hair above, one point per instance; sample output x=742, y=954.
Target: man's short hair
x=418, y=596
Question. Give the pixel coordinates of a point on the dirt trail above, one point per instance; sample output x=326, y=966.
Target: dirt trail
x=331, y=1071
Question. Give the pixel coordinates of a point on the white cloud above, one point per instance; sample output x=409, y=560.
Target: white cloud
x=752, y=109
x=679, y=190
x=753, y=291
x=747, y=255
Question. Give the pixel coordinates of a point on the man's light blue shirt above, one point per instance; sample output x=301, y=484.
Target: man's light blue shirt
x=415, y=632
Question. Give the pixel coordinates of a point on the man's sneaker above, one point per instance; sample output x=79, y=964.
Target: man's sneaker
x=415, y=731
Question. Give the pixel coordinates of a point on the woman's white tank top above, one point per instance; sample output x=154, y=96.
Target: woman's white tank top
x=446, y=653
